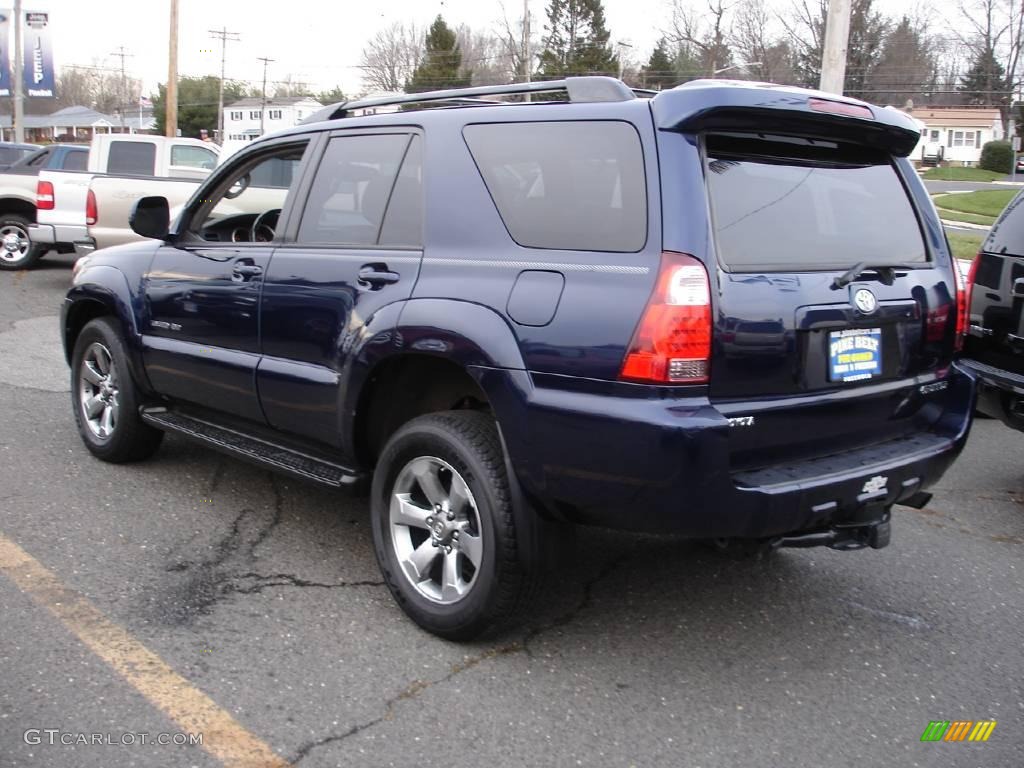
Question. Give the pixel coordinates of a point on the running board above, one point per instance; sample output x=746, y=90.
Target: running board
x=253, y=449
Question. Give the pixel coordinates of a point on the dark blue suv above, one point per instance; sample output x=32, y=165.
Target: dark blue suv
x=726, y=311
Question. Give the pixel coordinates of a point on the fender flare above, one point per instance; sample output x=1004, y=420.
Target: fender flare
x=108, y=286
x=468, y=334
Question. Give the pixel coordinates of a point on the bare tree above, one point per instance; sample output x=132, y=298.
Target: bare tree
x=290, y=85
x=390, y=58
x=484, y=57
x=520, y=53
x=756, y=41
x=703, y=33
x=993, y=33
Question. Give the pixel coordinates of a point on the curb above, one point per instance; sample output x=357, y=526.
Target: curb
x=964, y=225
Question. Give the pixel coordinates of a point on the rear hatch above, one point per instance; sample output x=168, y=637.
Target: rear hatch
x=996, y=330
x=836, y=298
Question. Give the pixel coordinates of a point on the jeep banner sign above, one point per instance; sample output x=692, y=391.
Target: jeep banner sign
x=5, y=58
x=38, y=75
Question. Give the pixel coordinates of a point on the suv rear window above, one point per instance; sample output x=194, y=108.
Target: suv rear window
x=781, y=204
x=575, y=185
x=1007, y=235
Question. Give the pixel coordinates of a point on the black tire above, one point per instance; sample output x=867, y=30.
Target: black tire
x=11, y=223
x=128, y=438
x=511, y=567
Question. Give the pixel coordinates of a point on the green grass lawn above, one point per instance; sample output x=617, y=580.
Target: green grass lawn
x=964, y=246
x=986, y=202
x=970, y=218
x=962, y=174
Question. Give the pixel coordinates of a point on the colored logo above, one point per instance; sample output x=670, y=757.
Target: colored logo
x=958, y=730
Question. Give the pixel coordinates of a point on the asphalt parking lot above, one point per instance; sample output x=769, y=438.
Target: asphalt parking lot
x=262, y=598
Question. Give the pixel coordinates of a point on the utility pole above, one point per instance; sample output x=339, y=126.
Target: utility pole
x=263, y=108
x=124, y=83
x=527, y=57
x=223, y=35
x=19, y=93
x=171, y=115
x=837, y=38
x=622, y=63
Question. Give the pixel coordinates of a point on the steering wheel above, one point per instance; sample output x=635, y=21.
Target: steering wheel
x=263, y=227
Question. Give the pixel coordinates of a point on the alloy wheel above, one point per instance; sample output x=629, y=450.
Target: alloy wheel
x=435, y=530
x=14, y=243
x=98, y=391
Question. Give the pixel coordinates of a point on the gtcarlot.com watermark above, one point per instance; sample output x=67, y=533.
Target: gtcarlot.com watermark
x=56, y=737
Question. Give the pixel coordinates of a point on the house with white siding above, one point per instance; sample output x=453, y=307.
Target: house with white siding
x=242, y=119
x=960, y=131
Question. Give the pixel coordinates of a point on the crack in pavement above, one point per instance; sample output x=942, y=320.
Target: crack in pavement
x=417, y=687
x=265, y=580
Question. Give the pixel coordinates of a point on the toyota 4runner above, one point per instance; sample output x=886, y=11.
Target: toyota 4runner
x=727, y=310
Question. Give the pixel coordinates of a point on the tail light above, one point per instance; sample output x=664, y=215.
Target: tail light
x=672, y=343
x=44, y=195
x=90, y=208
x=963, y=305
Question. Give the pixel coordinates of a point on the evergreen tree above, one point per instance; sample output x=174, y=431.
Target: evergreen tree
x=197, y=104
x=441, y=61
x=985, y=82
x=659, y=72
x=577, y=41
x=906, y=69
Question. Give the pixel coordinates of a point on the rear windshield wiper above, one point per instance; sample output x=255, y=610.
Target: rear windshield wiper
x=886, y=274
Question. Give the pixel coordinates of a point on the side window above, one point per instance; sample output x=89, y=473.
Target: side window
x=254, y=190
x=39, y=160
x=403, y=222
x=567, y=185
x=132, y=157
x=193, y=157
x=75, y=161
x=351, y=189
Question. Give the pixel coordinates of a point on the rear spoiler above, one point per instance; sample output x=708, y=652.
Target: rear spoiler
x=704, y=105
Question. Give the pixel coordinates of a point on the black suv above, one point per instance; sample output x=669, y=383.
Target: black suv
x=994, y=348
x=727, y=310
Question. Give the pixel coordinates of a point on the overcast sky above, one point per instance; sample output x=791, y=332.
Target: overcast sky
x=315, y=41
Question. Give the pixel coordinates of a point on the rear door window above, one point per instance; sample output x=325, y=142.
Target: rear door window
x=796, y=205
x=571, y=185
x=351, y=190
x=136, y=158
x=75, y=161
x=1007, y=235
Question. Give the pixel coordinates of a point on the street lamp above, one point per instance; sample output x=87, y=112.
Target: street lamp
x=741, y=65
x=620, y=45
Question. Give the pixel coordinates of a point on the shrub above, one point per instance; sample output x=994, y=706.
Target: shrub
x=997, y=156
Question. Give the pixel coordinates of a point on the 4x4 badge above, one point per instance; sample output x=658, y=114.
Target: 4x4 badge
x=876, y=483
x=865, y=301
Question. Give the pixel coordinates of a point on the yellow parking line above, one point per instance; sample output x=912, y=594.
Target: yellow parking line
x=194, y=711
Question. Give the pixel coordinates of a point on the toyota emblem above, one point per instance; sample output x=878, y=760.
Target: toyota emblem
x=865, y=301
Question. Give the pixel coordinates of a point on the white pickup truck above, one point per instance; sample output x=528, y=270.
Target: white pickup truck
x=122, y=168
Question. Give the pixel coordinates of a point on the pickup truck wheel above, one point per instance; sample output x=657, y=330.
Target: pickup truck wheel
x=444, y=530
x=104, y=398
x=16, y=249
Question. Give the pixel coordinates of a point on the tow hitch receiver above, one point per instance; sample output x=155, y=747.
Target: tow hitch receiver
x=843, y=537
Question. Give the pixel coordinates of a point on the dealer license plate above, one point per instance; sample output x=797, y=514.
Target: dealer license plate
x=854, y=354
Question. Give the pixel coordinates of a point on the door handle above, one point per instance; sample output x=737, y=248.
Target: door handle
x=376, y=276
x=245, y=269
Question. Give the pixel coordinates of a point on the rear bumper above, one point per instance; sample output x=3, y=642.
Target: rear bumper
x=662, y=465
x=1000, y=392
x=64, y=238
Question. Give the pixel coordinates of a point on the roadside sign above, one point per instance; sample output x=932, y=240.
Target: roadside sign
x=1016, y=143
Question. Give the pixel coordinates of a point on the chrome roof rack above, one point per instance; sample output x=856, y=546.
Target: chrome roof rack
x=588, y=88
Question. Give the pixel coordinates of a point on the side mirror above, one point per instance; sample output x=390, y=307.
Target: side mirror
x=150, y=217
